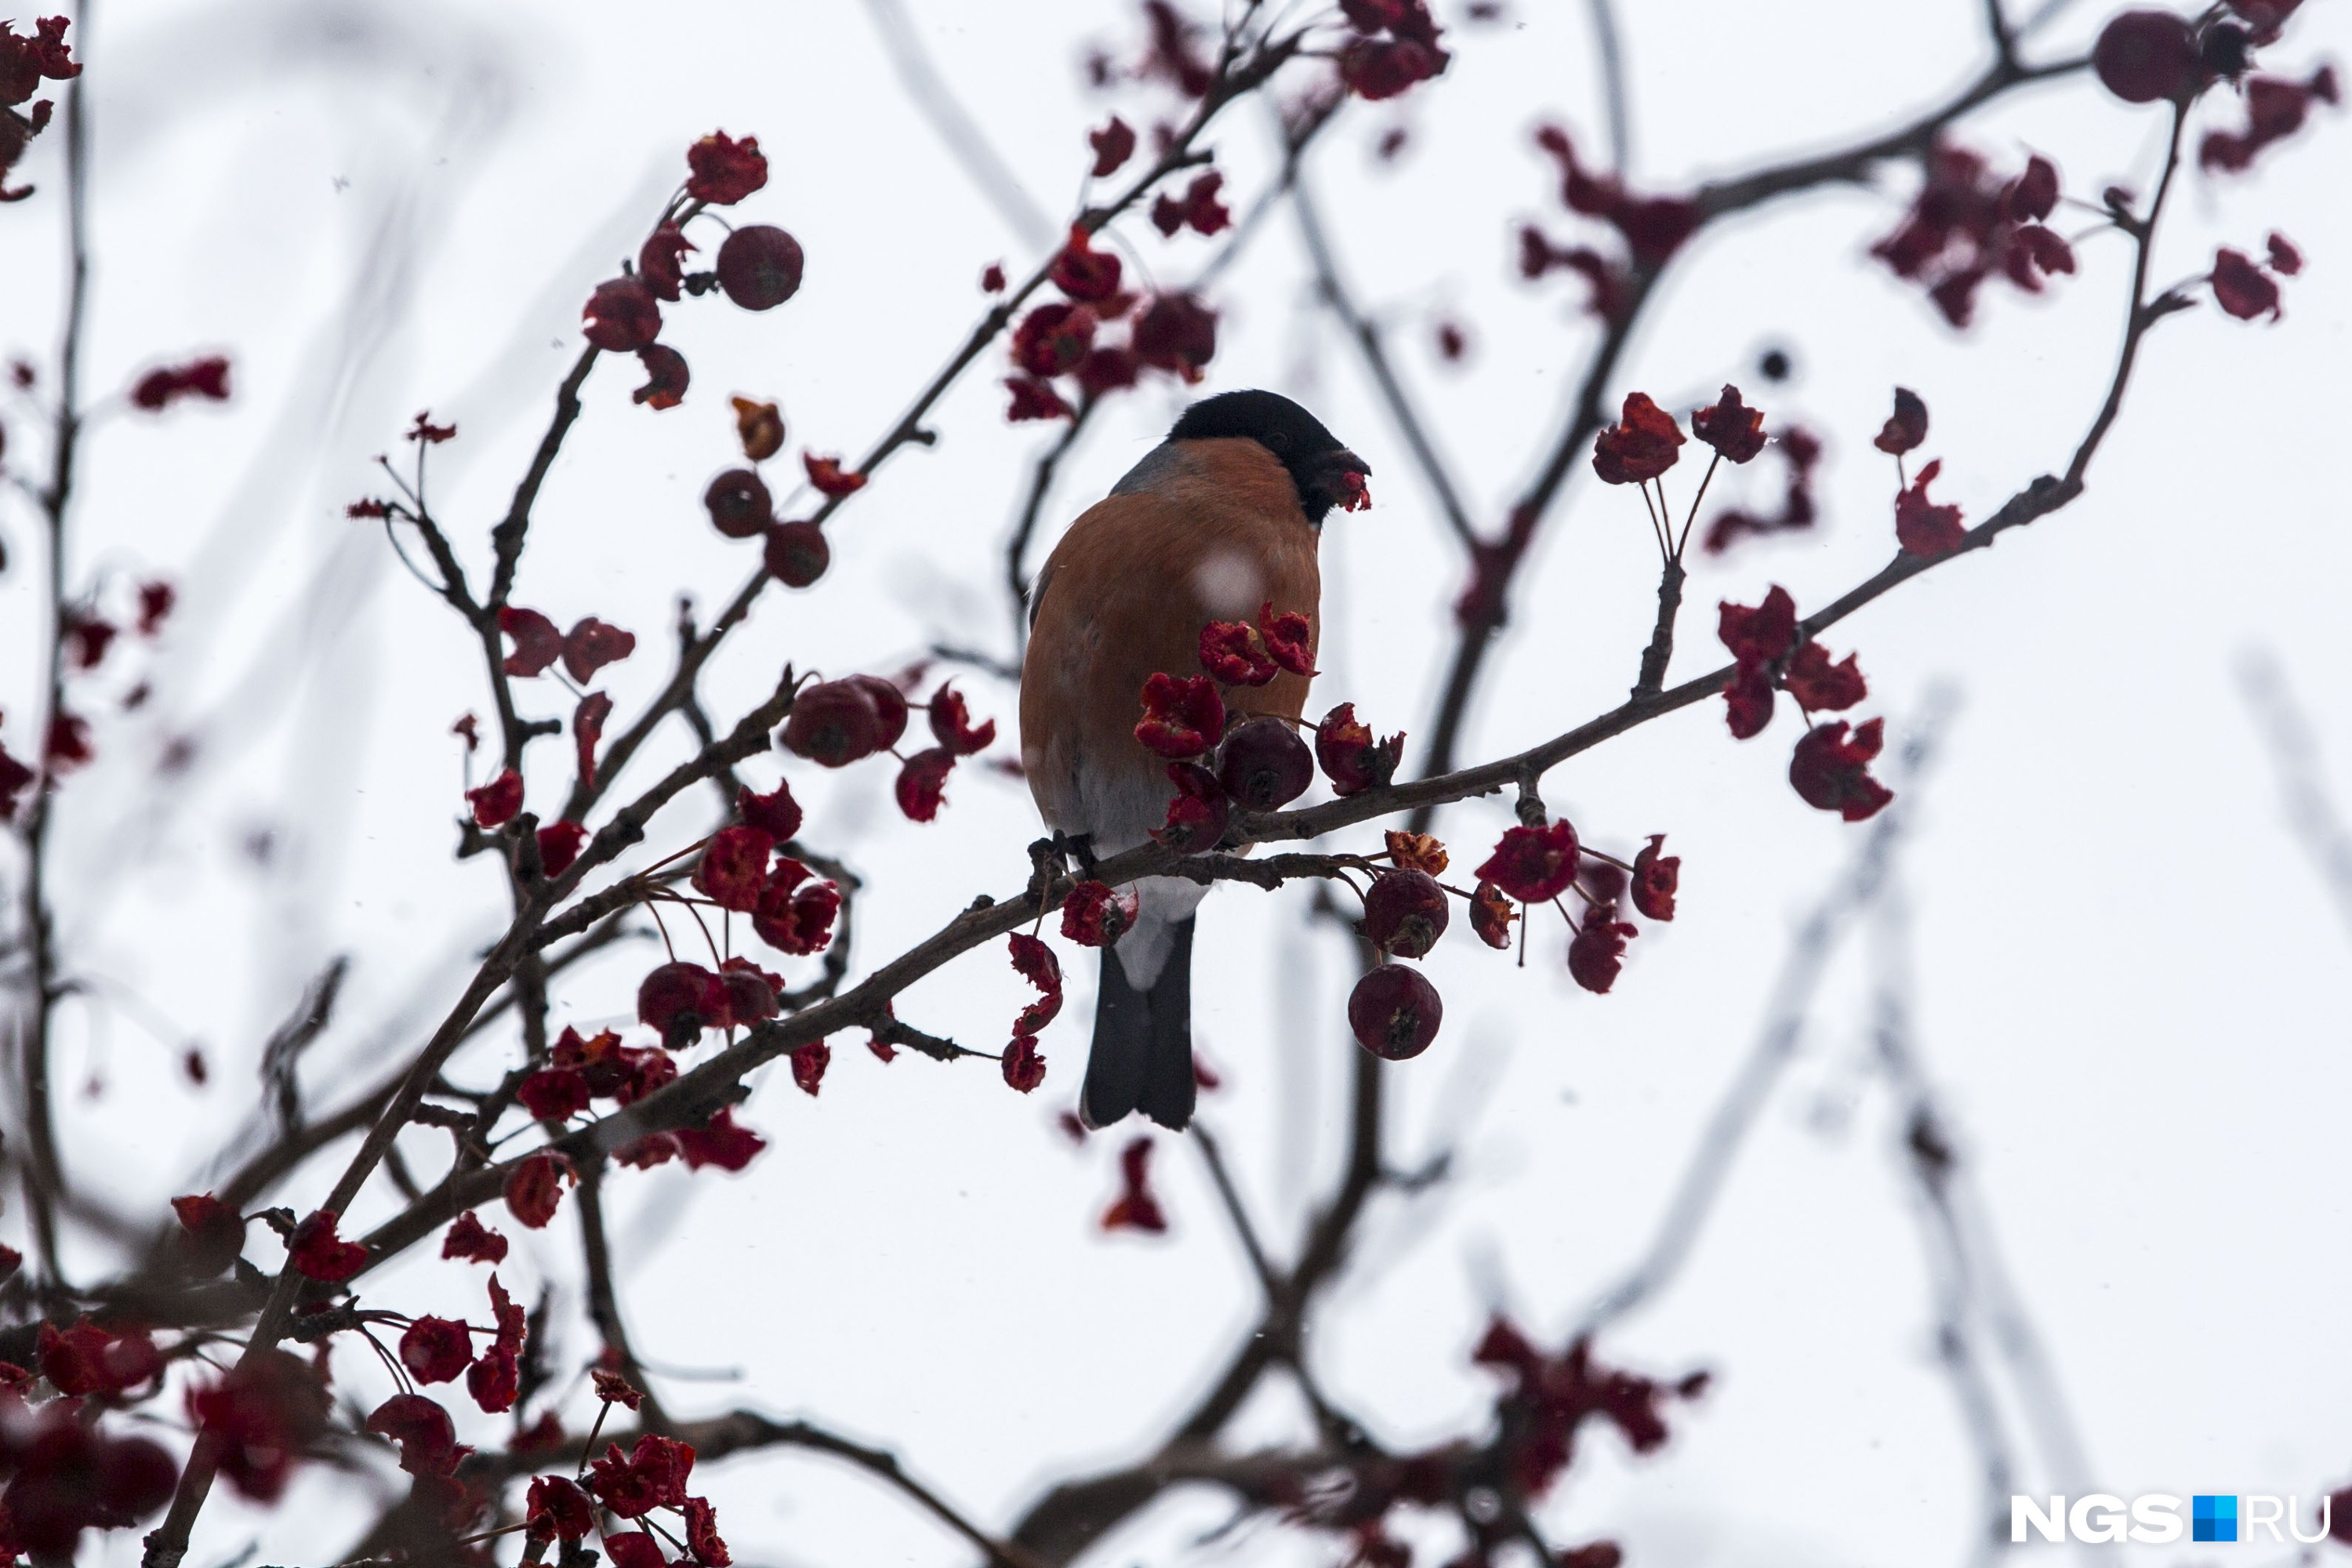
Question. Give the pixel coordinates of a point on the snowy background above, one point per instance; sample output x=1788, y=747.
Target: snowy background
x=2130, y=981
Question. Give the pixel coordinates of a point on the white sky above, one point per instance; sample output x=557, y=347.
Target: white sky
x=2131, y=984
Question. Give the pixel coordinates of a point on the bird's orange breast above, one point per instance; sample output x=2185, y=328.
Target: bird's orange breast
x=1207, y=530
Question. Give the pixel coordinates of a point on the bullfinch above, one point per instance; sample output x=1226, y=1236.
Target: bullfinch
x=1219, y=520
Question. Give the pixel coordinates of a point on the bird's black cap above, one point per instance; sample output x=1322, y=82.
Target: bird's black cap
x=1325, y=472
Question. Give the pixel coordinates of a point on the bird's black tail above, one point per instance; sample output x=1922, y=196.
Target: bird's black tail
x=1142, y=1056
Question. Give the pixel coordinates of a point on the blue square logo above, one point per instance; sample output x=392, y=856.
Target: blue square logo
x=2213, y=1519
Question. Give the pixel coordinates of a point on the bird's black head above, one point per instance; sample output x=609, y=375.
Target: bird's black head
x=1326, y=473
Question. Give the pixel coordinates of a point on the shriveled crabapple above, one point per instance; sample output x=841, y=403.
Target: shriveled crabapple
x=1264, y=766
x=621, y=316
x=681, y=1000
x=796, y=554
x=739, y=503
x=1406, y=912
x=2144, y=56
x=1395, y=1012
x=833, y=723
x=760, y=266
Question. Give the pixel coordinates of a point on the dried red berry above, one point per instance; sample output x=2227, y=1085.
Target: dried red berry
x=1656, y=876
x=1818, y=685
x=1176, y=333
x=777, y=814
x=1182, y=716
x=537, y=642
x=1113, y=145
x=752, y=993
x=1377, y=70
x=1236, y=653
x=1289, y=638
x=1732, y=427
x=554, y=1094
x=436, y=1350
x=1921, y=527
x=1348, y=755
x=1095, y=915
x=733, y=870
x=159, y=389
x=724, y=1144
x=830, y=477
x=592, y=644
x=722, y=171
x=2144, y=56
x=702, y=1539
x=659, y=260
x=318, y=1253
x=1052, y=339
x=666, y=377
x=1136, y=1207
x=953, y=727
x=475, y=1242
x=212, y=1234
x=559, y=846
x=2032, y=196
x=1533, y=864
x=760, y=266
x=1197, y=816
x=1416, y=852
x=1760, y=635
x=1404, y=913
x=1083, y=272
x=795, y=919
x=428, y=1439
x=1023, y=1066
x=1598, y=952
x=587, y=730
x=534, y=1188
x=922, y=779
x=2242, y=288
x=833, y=723
x=1906, y=427
x=1831, y=772
x=621, y=316
x=1199, y=207
x=1264, y=766
x=2285, y=259
x=760, y=427
x=681, y=1000
x=1640, y=446
x=1395, y=1012
x=809, y=1062
x=1035, y=399
x=739, y=503
x=556, y=1507
x=796, y=554
x=992, y=278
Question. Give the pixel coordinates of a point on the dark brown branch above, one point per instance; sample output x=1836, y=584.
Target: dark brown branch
x=44, y=1170
x=507, y=538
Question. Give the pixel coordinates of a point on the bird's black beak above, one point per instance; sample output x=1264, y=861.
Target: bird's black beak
x=1335, y=479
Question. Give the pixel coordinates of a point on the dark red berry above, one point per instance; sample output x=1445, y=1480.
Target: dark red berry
x=681, y=1000
x=889, y=706
x=834, y=722
x=1395, y=1012
x=1405, y=913
x=739, y=503
x=797, y=554
x=1264, y=766
x=621, y=316
x=2144, y=56
x=760, y=266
